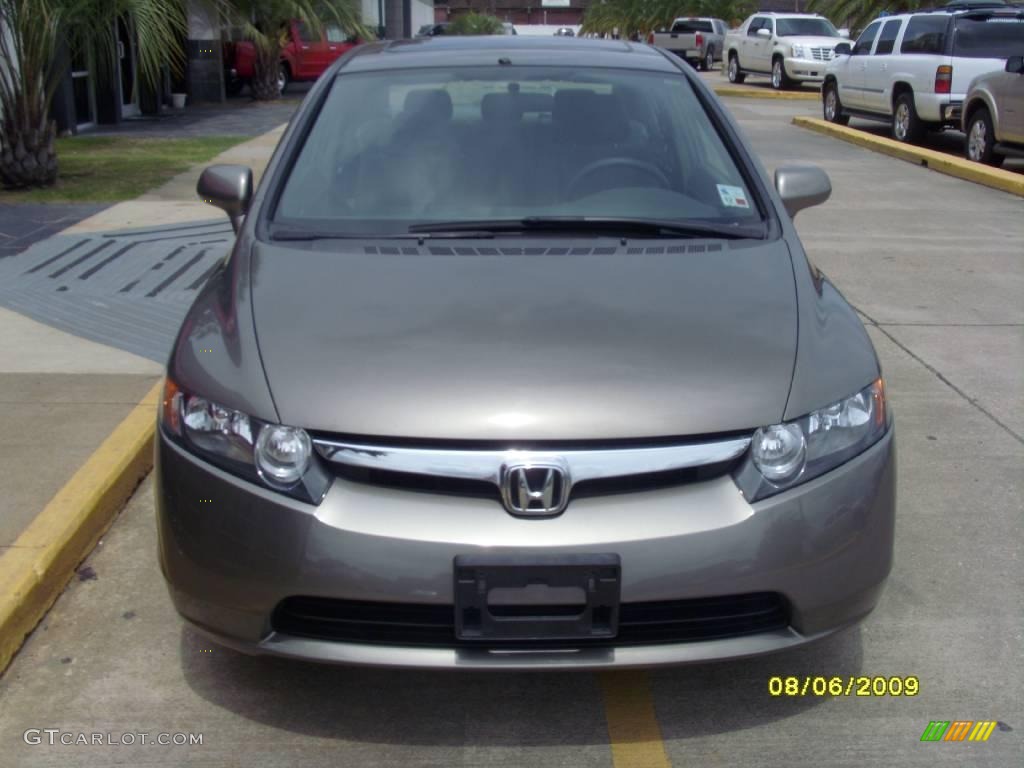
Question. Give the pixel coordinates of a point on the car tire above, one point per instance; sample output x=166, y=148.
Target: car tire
x=284, y=76
x=831, y=106
x=709, y=60
x=906, y=125
x=733, y=71
x=981, y=138
x=780, y=80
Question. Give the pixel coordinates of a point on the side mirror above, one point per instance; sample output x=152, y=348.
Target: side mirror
x=843, y=49
x=762, y=32
x=228, y=187
x=802, y=186
x=1015, y=65
x=844, y=33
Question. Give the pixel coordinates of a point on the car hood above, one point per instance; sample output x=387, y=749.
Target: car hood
x=595, y=343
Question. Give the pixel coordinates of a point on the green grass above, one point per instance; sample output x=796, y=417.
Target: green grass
x=109, y=169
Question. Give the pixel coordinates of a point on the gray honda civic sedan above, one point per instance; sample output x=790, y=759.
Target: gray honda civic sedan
x=518, y=362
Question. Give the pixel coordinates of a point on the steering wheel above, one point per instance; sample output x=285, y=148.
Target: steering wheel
x=609, y=162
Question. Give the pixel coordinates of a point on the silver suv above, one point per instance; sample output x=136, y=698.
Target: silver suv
x=994, y=115
x=914, y=69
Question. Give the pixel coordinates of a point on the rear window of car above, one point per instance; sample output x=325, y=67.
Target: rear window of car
x=805, y=28
x=692, y=25
x=925, y=34
x=505, y=142
x=993, y=37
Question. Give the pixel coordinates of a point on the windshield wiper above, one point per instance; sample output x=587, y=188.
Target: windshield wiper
x=296, y=235
x=608, y=225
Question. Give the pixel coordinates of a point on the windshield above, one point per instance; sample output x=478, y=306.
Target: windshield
x=995, y=37
x=805, y=28
x=392, y=150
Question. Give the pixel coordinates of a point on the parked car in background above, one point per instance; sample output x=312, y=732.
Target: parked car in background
x=698, y=40
x=993, y=114
x=456, y=421
x=565, y=32
x=433, y=30
x=508, y=28
x=305, y=57
x=913, y=70
x=789, y=47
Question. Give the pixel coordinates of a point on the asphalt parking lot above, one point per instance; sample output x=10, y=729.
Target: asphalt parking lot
x=934, y=264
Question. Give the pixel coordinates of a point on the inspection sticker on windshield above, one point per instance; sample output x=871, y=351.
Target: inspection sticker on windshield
x=733, y=197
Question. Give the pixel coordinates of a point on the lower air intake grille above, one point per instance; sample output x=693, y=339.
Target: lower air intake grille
x=414, y=624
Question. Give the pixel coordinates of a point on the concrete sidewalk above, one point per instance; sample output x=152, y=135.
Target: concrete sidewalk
x=61, y=394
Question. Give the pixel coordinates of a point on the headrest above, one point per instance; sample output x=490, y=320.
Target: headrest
x=501, y=108
x=434, y=105
x=585, y=117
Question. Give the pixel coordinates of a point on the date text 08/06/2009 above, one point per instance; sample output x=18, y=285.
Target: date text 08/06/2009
x=844, y=685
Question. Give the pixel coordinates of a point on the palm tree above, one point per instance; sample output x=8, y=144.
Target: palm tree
x=38, y=38
x=474, y=23
x=858, y=13
x=266, y=24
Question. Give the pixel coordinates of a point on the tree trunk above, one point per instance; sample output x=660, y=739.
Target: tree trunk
x=264, y=74
x=28, y=158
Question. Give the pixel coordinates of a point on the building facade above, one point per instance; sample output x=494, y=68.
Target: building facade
x=567, y=13
x=88, y=96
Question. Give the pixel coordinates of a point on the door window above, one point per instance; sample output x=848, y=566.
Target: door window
x=925, y=34
x=306, y=35
x=755, y=25
x=336, y=34
x=887, y=39
x=863, y=45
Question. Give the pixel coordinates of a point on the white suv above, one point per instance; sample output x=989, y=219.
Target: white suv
x=914, y=69
x=791, y=47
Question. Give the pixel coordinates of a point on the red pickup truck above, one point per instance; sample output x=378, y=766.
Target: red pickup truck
x=305, y=57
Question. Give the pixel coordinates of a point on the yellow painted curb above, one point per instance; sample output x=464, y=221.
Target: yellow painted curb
x=961, y=167
x=756, y=93
x=34, y=571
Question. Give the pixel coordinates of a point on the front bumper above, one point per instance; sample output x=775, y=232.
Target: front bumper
x=805, y=70
x=825, y=546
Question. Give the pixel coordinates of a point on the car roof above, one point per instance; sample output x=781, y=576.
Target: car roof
x=993, y=10
x=473, y=50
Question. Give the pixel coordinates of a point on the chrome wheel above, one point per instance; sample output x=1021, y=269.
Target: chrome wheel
x=734, y=69
x=977, y=140
x=282, y=78
x=777, y=75
x=901, y=121
x=709, y=61
x=831, y=108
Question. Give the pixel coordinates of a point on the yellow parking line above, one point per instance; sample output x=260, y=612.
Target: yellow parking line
x=34, y=571
x=961, y=167
x=746, y=92
x=633, y=730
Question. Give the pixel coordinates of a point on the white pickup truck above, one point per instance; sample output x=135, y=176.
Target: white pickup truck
x=790, y=47
x=698, y=40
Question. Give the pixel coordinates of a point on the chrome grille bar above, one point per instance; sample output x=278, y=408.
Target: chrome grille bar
x=486, y=465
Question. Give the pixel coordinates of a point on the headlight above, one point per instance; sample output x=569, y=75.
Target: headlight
x=799, y=52
x=783, y=455
x=282, y=454
x=274, y=455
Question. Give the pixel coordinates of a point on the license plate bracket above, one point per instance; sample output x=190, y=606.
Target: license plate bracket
x=563, y=597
